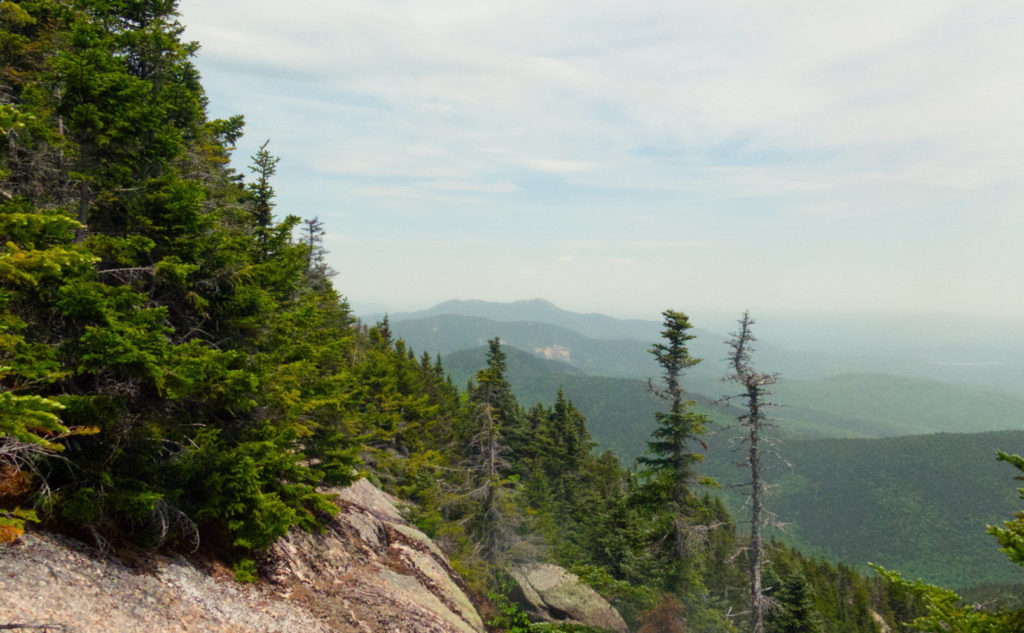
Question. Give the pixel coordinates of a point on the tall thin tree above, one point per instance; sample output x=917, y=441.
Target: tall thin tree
x=261, y=195
x=264, y=165
x=313, y=237
x=755, y=392
x=488, y=467
x=671, y=456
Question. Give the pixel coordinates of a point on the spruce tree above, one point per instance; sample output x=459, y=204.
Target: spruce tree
x=668, y=464
x=494, y=412
x=491, y=387
x=1011, y=535
x=264, y=166
x=670, y=454
x=135, y=296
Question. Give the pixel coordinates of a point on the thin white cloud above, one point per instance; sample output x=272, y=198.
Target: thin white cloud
x=412, y=194
x=481, y=187
x=810, y=121
x=554, y=166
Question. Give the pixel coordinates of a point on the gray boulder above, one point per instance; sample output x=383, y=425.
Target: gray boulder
x=372, y=571
x=552, y=594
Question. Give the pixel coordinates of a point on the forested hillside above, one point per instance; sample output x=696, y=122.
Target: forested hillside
x=596, y=326
x=818, y=483
x=919, y=504
x=452, y=333
x=179, y=373
x=823, y=396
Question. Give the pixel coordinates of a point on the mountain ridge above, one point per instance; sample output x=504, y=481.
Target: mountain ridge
x=796, y=347
x=918, y=503
x=592, y=324
x=824, y=480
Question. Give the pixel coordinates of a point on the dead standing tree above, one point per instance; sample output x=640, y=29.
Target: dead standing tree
x=755, y=392
x=486, y=469
x=490, y=518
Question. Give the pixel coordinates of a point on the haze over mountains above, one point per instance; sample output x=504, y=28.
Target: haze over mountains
x=984, y=352
x=854, y=410
x=824, y=394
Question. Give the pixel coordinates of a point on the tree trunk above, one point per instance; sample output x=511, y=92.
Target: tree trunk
x=756, y=590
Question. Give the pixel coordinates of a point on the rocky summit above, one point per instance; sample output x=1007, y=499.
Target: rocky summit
x=369, y=570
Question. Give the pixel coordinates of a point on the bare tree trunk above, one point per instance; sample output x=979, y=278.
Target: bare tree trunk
x=83, y=210
x=755, y=389
x=756, y=590
x=84, y=195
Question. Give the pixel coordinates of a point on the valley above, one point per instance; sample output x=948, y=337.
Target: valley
x=872, y=466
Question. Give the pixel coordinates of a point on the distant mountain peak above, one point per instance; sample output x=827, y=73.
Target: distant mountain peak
x=537, y=303
x=540, y=310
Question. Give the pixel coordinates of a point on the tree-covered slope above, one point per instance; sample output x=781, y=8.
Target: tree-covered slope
x=918, y=504
x=877, y=405
x=597, y=326
x=828, y=404
x=177, y=370
x=620, y=410
x=447, y=334
x=895, y=501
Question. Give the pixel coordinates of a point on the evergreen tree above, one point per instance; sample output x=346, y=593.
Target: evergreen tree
x=491, y=387
x=136, y=298
x=262, y=193
x=488, y=468
x=795, y=611
x=563, y=444
x=1011, y=536
x=670, y=456
x=494, y=410
x=35, y=259
x=668, y=464
x=313, y=237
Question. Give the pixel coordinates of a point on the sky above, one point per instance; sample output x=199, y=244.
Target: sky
x=626, y=157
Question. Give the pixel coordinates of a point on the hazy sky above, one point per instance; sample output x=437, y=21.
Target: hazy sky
x=630, y=156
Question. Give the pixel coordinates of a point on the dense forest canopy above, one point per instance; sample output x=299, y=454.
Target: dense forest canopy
x=179, y=372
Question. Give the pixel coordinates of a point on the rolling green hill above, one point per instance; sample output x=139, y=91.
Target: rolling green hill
x=916, y=504
x=542, y=311
x=917, y=500
x=985, y=353
x=881, y=405
x=620, y=411
x=859, y=404
x=451, y=333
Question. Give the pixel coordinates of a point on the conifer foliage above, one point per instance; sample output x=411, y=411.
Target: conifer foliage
x=148, y=296
x=177, y=369
x=671, y=457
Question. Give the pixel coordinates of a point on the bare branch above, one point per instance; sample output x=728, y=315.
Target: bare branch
x=124, y=275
